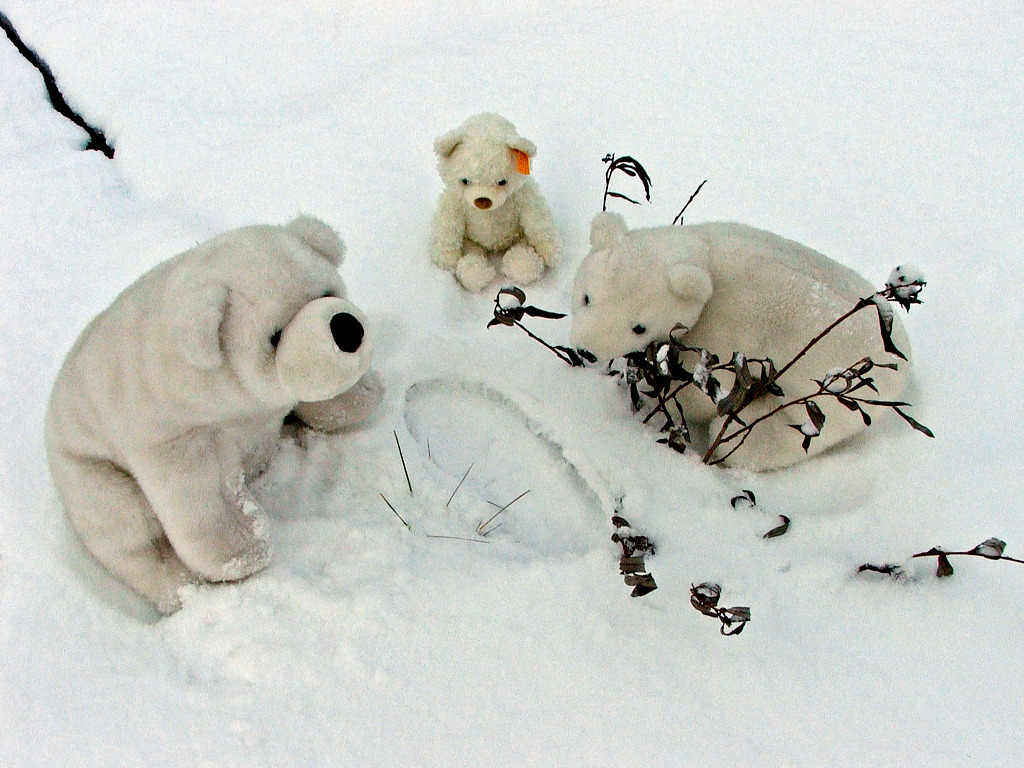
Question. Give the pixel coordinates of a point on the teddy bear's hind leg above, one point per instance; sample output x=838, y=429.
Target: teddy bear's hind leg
x=522, y=264
x=474, y=269
x=211, y=520
x=116, y=524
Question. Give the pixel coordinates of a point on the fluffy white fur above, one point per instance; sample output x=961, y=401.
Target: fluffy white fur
x=173, y=398
x=488, y=210
x=737, y=289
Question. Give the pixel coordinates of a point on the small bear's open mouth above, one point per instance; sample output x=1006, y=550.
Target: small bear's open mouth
x=483, y=203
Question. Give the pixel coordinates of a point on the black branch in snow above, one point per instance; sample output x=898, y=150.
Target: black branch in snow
x=97, y=140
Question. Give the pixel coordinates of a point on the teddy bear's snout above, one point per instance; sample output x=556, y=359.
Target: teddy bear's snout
x=483, y=203
x=347, y=332
x=324, y=350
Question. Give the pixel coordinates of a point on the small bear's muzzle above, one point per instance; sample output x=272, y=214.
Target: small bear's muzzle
x=324, y=350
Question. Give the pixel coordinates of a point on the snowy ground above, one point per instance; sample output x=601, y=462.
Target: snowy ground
x=882, y=134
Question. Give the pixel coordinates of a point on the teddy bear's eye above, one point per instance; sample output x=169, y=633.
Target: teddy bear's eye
x=639, y=330
x=503, y=182
x=275, y=338
x=465, y=182
x=586, y=299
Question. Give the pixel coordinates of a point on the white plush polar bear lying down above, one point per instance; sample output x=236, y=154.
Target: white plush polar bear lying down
x=735, y=288
x=174, y=397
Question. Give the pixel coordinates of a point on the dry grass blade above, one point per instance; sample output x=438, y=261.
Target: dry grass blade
x=480, y=528
x=458, y=486
x=404, y=468
x=395, y=511
x=458, y=538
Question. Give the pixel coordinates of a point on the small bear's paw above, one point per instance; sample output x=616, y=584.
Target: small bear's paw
x=522, y=264
x=474, y=271
x=446, y=260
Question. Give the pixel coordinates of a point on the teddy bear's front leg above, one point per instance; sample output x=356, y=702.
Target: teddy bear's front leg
x=196, y=487
x=522, y=264
x=350, y=407
x=474, y=270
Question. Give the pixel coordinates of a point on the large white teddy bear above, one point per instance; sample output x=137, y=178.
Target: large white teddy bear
x=737, y=289
x=490, y=208
x=173, y=398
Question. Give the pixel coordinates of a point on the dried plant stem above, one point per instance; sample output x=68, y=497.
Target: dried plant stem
x=663, y=402
x=860, y=305
x=679, y=216
x=746, y=430
x=561, y=355
x=935, y=553
x=404, y=468
x=731, y=419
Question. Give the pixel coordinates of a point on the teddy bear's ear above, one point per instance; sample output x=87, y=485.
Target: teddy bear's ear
x=607, y=230
x=690, y=283
x=318, y=236
x=446, y=144
x=196, y=314
x=525, y=146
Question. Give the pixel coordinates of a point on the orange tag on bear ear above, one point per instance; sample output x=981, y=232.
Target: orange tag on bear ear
x=522, y=162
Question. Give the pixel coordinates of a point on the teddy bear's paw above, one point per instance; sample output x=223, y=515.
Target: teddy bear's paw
x=352, y=406
x=475, y=271
x=446, y=260
x=522, y=264
x=246, y=564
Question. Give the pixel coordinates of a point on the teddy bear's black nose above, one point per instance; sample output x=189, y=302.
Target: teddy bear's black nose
x=483, y=203
x=347, y=332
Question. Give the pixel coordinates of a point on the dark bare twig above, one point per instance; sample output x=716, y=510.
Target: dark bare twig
x=97, y=140
x=679, y=216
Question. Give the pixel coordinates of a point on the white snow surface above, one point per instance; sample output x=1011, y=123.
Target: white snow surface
x=879, y=133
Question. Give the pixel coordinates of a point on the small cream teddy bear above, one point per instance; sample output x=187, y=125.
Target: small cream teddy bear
x=490, y=207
